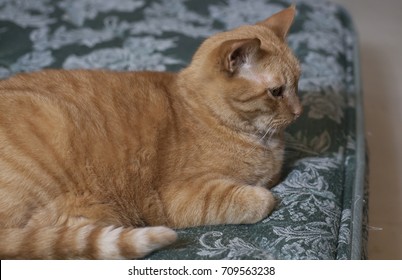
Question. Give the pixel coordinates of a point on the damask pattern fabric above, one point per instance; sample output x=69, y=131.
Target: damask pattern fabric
x=319, y=198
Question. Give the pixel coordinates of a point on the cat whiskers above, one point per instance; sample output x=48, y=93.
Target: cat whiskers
x=270, y=132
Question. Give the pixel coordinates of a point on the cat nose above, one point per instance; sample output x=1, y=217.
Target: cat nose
x=297, y=112
x=295, y=107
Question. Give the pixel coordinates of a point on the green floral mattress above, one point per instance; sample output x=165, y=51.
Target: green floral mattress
x=321, y=214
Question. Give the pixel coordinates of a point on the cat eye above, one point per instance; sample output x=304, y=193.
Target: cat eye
x=276, y=92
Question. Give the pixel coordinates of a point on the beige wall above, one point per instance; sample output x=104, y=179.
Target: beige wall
x=379, y=24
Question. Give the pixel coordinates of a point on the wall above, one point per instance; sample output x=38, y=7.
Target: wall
x=379, y=25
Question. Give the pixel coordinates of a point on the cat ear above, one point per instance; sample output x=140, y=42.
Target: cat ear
x=280, y=22
x=237, y=53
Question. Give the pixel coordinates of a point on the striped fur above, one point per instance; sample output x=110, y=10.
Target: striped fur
x=83, y=242
x=100, y=165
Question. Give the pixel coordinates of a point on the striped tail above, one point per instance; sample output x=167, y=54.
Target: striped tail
x=83, y=242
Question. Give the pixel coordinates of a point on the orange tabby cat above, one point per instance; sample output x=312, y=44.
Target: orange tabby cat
x=97, y=164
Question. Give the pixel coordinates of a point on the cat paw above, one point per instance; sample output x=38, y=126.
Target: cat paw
x=259, y=203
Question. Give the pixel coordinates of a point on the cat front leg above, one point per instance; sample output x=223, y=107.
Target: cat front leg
x=216, y=201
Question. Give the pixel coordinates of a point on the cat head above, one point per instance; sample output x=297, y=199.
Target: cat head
x=248, y=76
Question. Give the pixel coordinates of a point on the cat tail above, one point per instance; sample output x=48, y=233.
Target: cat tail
x=83, y=242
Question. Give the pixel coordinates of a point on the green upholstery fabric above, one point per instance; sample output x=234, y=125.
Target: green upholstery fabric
x=322, y=195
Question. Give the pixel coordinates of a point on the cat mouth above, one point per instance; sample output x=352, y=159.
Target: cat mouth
x=271, y=127
x=283, y=123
